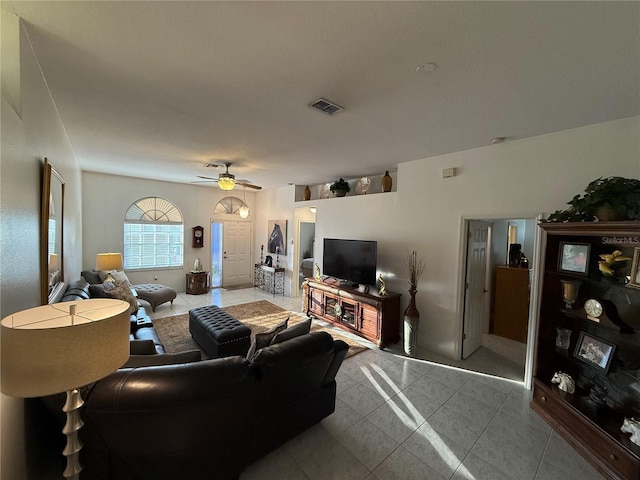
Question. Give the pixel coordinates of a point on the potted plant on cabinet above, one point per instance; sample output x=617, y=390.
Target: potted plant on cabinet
x=339, y=188
x=604, y=199
x=411, y=314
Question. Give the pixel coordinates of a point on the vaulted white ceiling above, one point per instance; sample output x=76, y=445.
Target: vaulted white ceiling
x=158, y=89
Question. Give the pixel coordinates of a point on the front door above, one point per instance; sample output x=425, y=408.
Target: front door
x=236, y=253
x=476, y=299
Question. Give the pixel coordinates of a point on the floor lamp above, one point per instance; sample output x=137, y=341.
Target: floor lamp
x=59, y=348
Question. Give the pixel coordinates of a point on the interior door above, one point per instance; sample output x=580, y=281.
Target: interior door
x=476, y=298
x=236, y=253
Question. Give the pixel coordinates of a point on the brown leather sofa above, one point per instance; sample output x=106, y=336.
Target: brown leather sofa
x=141, y=324
x=207, y=419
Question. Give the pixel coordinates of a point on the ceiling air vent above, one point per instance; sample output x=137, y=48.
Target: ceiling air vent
x=326, y=106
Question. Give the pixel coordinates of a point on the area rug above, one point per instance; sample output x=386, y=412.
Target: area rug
x=259, y=316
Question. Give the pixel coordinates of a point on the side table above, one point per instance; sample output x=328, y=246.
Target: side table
x=270, y=279
x=197, y=283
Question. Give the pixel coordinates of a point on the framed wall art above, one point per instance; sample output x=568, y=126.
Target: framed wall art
x=574, y=258
x=277, y=237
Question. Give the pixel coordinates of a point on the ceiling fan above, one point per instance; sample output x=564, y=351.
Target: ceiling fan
x=226, y=180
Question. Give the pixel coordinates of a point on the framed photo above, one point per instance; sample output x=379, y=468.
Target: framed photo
x=634, y=278
x=594, y=351
x=574, y=258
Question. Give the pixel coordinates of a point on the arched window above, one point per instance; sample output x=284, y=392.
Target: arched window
x=153, y=235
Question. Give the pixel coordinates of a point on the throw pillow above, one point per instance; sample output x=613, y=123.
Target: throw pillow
x=117, y=275
x=120, y=276
x=262, y=340
x=162, y=359
x=122, y=291
x=294, y=331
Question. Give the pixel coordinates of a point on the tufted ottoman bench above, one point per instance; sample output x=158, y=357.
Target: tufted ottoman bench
x=218, y=333
x=154, y=293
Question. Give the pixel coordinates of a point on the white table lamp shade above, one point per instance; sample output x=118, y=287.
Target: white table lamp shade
x=46, y=350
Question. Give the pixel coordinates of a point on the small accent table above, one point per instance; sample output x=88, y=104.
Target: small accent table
x=270, y=279
x=197, y=283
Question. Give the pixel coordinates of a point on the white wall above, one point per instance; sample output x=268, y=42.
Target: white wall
x=31, y=130
x=276, y=204
x=528, y=176
x=106, y=199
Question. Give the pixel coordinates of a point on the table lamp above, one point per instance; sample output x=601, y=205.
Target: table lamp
x=108, y=262
x=59, y=348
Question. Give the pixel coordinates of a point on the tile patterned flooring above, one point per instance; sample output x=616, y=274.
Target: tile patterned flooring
x=399, y=418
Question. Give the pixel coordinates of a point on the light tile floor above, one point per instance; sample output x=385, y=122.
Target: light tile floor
x=399, y=418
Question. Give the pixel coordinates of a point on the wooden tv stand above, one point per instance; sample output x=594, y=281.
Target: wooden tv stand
x=372, y=316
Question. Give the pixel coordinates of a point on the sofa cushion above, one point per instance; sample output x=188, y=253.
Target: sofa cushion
x=91, y=276
x=122, y=291
x=163, y=359
x=293, y=331
x=142, y=347
x=263, y=339
x=98, y=290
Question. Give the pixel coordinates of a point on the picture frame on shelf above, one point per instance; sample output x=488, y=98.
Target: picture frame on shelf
x=574, y=258
x=634, y=278
x=594, y=351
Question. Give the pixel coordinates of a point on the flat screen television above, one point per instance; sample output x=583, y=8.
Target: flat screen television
x=352, y=260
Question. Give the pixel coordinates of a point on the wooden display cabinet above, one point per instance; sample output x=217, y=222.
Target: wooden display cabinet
x=372, y=316
x=587, y=419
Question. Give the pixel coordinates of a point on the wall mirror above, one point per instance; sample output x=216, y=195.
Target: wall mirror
x=52, y=221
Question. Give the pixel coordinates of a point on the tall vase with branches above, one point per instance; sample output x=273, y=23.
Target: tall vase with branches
x=411, y=314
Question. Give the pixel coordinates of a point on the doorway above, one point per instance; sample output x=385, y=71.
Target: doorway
x=230, y=253
x=305, y=250
x=487, y=242
x=304, y=247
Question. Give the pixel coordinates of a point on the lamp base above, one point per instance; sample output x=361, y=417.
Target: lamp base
x=71, y=428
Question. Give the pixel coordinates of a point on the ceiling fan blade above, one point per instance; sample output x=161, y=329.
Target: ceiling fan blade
x=205, y=181
x=207, y=178
x=249, y=185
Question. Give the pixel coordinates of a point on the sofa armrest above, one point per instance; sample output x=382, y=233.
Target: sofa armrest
x=340, y=349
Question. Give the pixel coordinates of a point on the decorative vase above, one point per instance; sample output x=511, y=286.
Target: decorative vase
x=197, y=266
x=307, y=193
x=386, y=182
x=339, y=193
x=411, y=324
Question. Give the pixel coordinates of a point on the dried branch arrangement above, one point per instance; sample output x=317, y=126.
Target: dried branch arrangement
x=416, y=267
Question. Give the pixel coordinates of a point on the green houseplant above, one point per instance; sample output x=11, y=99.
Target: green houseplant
x=340, y=188
x=605, y=199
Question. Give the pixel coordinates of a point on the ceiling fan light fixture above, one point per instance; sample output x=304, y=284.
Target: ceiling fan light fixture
x=226, y=182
